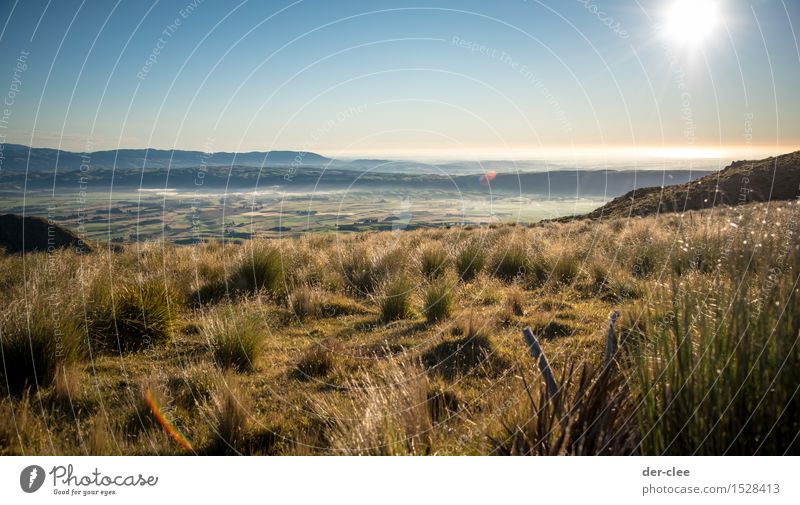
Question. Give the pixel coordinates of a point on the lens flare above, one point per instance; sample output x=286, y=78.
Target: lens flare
x=168, y=427
x=488, y=177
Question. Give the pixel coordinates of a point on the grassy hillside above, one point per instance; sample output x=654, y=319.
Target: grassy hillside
x=741, y=182
x=410, y=342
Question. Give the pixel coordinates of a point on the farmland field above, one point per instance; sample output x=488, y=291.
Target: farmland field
x=183, y=217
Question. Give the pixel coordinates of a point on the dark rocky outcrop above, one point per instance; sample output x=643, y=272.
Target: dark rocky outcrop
x=31, y=233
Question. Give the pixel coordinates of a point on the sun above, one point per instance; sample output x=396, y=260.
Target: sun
x=689, y=23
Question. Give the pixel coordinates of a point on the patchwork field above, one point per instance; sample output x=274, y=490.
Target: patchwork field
x=185, y=217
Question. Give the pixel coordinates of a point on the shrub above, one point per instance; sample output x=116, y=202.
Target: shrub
x=396, y=301
x=439, y=300
x=261, y=269
x=433, y=261
x=34, y=348
x=140, y=316
x=235, y=339
x=471, y=260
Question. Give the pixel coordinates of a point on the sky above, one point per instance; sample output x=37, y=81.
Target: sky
x=465, y=79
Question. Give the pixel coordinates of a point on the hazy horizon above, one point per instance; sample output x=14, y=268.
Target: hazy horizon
x=578, y=153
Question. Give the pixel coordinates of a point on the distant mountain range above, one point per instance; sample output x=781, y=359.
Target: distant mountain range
x=19, y=158
x=292, y=171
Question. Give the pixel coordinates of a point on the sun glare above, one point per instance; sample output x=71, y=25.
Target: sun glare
x=689, y=23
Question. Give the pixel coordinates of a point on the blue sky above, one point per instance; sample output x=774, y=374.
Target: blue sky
x=457, y=78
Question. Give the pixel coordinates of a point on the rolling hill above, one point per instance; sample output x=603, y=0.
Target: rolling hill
x=774, y=178
x=29, y=233
x=19, y=158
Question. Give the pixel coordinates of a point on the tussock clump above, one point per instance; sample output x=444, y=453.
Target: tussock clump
x=99, y=437
x=590, y=415
x=261, y=269
x=194, y=386
x=433, y=261
x=67, y=391
x=731, y=378
x=566, y=267
x=137, y=317
x=334, y=305
x=513, y=307
x=510, y=261
x=645, y=262
x=620, y=288
x=439, y=300
x=471, y=260
x=394, y=260
x=515, y=302
x=553, y=329
x=209, y=293
x=443, y=402
x=236, y=339
x=228, y=412
x=397, y=300
x=317, y=361
x=538, y=272
x=484, y=290
x=305, y=302
x=551, y=305
x=358, y=271
x=598, y=276
x=387, y=414
x=470, y=326
x=473, y=354
x=191, y=329
x=35, y=343
x=22, y=429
